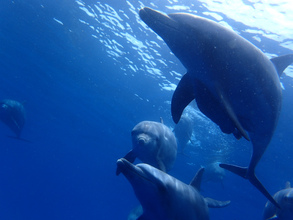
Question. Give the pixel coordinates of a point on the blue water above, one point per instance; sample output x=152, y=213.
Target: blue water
x=87, y=73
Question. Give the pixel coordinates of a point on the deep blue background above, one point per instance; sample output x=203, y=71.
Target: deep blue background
x=81, y=108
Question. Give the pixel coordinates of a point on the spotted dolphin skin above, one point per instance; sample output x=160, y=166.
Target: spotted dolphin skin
x=153, y=143
x=232, y=81
x=164, y=197
x=284, y=198
x=12, y=114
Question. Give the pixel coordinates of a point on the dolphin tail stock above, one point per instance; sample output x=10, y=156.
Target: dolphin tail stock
x=19, y=138
x=253, y=179
x=130, y=156
x=242, y=171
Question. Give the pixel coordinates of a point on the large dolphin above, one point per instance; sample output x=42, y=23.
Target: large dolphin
x=12, y=114
x=164, y=197
x=284, y=198
x=232, y=81
x=153, y=143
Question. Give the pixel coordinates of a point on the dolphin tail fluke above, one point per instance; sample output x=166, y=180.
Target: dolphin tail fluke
x=242, y=171
x=212, y=203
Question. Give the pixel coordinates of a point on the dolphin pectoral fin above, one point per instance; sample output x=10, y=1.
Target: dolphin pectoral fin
x=130, y=156
x=282, y=62
x=212, y=203
x=182, y=96
x=242, y=171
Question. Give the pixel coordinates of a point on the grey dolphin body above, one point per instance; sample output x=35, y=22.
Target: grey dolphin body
x=284, y=198
x=153, y=143
x=12, y=114
x=164, y=197
x=232, y=81
x=183, y=131
x=213, y=172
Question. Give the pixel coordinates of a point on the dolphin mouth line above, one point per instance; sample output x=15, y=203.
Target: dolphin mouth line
x=148, y=16
x=129, y=166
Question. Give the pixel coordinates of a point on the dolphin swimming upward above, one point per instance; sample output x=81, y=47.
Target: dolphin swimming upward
x=232, y=81
x=164, y=197
x=12, y=114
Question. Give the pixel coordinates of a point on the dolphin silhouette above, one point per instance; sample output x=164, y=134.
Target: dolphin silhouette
x=164, y=197
x=284, y=198
x=232, y=81
x=153, y=143
x=12, y=114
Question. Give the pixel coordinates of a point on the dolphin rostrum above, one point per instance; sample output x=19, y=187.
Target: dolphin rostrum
x=232, y=81
x=164, y=197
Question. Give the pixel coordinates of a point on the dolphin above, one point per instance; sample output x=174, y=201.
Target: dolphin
x=12, y=114
x=183, y=131
x=164, y=197
x=232, y=81
x=153, y=143
x=284, y=198
x=214, y=173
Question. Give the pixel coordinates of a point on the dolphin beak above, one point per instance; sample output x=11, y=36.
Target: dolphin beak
x=123, y=165
x=158, y=21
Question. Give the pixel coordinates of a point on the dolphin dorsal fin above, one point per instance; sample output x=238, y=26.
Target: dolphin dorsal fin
x=282, y=62
x=288, y=185
x=196, y=181
x=161, y=120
